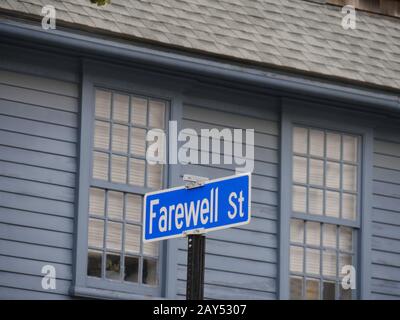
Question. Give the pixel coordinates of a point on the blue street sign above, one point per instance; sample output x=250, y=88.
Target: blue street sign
x=218, y=204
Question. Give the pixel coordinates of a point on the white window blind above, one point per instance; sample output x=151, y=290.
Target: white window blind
x=325, y=175
x=115, y=247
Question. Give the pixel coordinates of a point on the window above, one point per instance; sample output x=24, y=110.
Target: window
x=120, y=177
x=325, y=211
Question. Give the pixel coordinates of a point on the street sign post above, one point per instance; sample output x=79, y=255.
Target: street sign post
x=192, y=210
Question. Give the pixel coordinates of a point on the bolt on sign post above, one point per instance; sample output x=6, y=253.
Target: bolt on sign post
x=192, y=210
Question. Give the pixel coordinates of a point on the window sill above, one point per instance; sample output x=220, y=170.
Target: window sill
x=95, y=293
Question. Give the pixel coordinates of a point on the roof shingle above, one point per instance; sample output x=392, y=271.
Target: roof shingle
x=304, y=36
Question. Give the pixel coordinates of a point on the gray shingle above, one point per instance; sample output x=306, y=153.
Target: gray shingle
x=294, y=34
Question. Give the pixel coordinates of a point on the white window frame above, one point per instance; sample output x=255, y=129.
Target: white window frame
x=136, y=82
x=296, y=112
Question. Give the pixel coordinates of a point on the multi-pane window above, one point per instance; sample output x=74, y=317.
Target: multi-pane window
x=120, y=178
x=325, y=211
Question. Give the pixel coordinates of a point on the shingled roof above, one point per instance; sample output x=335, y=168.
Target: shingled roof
x=292, y=34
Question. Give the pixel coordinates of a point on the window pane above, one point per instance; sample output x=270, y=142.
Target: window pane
x=317, y=143
x=133, y=207
x=96, y=202
x=300, y=140
x=94, y=264
x=156, y=114
x=151, y=249
x=332, y=203
x=299, y=199
x=115, y=205
x=329, y=236
x=297, y=231
x=329, y=290
x=333, y=175
x=118, y=169
x=102, y=135
x=120, y=138
x=150, y=272
x=103, y=104
x=349, y=205
x=333, y=146
x=113, y=266
x=114, y=235
x=131, y=269
x=96, y=232
x=312, y=289
x=139, y=111
x=296, y=288
x=345, y=239
x=154, y=176
x=313, y=233
x=344, y=294
x=329, y=263
x=137, y=170
x=350, y=148
x=300, y=169
x=344, y=260
x=315, y=201
x=312, y=261
x=316, y=172
x=138, y=141
x=100, y=165
x=121, y=107
x=296, y=259
x=132, y=238
x=349, y=177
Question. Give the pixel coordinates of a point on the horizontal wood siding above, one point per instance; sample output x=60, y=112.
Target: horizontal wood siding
x=38, y=160
x=385, y=282
x=241, y=262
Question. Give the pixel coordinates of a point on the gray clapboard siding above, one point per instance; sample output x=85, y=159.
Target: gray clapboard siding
x=44, y=130
x=43, y=114
x=27, y=142
x=225, y=292
x=36, y=236
x=36, y=204
x=385, y=271
x=34, y=283
x=235, y=120
x=36, y=252
x=260, y=168
x=29, y=172
x=37, y=189
x=241, y=262
x=39, y=98
x=265, y=140
x=38, y=159
x=238, y=280
x=32, y=267
x=35, y=220
x=231, y=266
x=61, y=87
x=9, y=293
